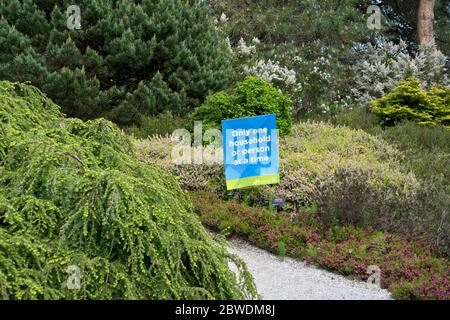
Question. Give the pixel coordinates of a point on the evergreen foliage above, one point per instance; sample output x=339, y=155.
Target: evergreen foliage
x=251, y=97
x=330, y=22
x=130, y=58
x=72, y=193
x=408, y=101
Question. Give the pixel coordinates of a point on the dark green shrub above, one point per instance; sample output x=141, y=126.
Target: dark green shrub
x=73, y=193
x=251, y=97
x=408, y=101
x=356, y=118
x=353, y=196
x=130, y=58
x=162, y=125
x=426, y=150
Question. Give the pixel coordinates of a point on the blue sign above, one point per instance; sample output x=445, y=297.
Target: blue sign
x=250, y=147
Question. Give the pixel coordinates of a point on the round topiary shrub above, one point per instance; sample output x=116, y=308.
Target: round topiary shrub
x=251, y=97
x=72, y=193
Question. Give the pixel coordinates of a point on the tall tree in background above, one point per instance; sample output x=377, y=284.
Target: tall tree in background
x=425, y=22
x=404, y=14
x=332, y=22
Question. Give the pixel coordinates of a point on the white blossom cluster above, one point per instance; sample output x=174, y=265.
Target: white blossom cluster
x=315, y=69
x=221, y=22
x=379, y=70
x=283, y=78
x=319, y=69
x=319, y=83
x=223, y=18
x=339, y=104
x=228, y=43
x=243, y=49
x=274, y=73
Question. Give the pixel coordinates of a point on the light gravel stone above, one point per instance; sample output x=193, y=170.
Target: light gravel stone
x=289, y=279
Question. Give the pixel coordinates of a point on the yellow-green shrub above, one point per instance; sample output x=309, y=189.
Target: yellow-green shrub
x=408, y=101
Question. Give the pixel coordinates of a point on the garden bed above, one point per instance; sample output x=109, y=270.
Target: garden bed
x=409, y=269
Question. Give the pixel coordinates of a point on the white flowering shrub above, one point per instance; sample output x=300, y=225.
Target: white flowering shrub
x=316, y=83
x=283, y=78
x=280, y=76
x=272, y=71
x=223, y=18
x=379, y=69
x=244, y=50
x=322, y=82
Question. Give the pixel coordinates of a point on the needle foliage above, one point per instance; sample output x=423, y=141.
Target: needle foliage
x=73, y=193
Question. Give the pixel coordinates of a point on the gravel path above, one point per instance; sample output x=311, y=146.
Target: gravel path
x=290, y=279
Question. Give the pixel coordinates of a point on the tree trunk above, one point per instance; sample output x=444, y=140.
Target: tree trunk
x=425, y=21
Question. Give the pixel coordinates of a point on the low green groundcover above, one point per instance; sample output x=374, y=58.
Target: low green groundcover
x=72, y=193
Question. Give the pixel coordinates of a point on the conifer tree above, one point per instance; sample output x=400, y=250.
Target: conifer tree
x=130, y=58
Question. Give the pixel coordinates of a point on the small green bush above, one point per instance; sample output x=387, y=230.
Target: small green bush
x=251, y=97
x=408, y=101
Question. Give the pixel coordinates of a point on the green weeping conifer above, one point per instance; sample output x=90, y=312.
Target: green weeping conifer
x=72, y=193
